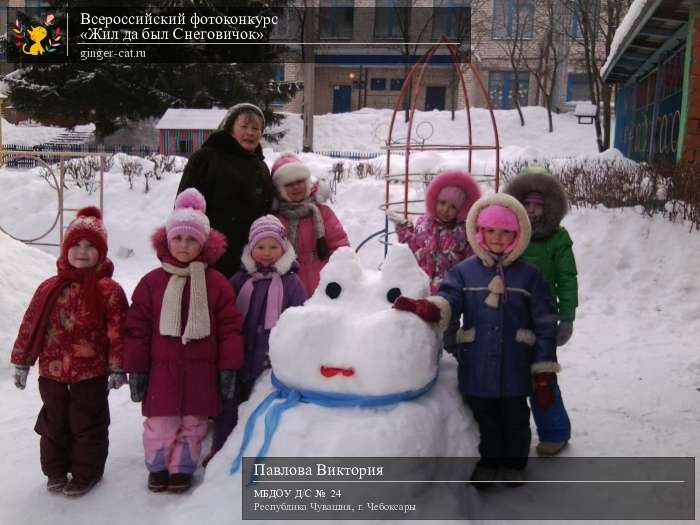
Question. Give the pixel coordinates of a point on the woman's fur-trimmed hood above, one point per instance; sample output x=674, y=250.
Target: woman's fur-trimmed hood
x=507, y=201
x=459, y=179
x=556, y=203
x=281, y=267
x=214, y=248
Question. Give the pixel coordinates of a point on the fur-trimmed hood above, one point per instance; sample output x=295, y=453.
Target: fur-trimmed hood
x=459, y=179
x=282, y=266
x=507, y=201
x=213, y=249
x=556, y=203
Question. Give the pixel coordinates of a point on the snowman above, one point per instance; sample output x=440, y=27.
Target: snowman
x=351, y=377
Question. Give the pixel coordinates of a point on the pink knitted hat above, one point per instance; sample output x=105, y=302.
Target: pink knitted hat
x=500, y=217
x=188, y=217
x=267, y=227
x=452, y=195
x=456, y=180
x=287, y=169
x=534, y=196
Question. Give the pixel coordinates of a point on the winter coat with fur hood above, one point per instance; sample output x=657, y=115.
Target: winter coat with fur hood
x=439, y=246
x=310, y=265
x=183, y=379
x=551, y=247
x=500, y=346
x=237, y=187
x=73, y=350
x=256, y=336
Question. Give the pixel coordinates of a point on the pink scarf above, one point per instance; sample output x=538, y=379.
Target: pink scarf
x=275, y=294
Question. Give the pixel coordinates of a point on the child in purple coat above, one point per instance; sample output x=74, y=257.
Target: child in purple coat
x=439, y=237
x=267, y=285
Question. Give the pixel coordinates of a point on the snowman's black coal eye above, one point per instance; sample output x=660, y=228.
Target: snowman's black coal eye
x=393, y=294
x=333, y=290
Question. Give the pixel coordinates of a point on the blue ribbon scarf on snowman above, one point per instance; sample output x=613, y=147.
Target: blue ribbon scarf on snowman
x=296, y=396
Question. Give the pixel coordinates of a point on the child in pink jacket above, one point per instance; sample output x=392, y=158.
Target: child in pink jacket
x=183, y=343
x=439, y=237
x=312, y=228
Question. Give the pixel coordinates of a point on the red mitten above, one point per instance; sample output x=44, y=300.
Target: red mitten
x=421, y=307
x=544, y=395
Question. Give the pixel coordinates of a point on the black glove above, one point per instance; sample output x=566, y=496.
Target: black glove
x=138, y=383
x=321, y=248
x=227, y=384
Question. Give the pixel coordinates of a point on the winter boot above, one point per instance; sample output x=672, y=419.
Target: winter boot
x=158, y=481
x=483, y=476
x=513, y=477
x=77, y=487
x=56, y=483
x=180, y=482
x=550, y=448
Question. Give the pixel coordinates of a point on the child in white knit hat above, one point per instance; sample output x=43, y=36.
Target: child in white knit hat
x=183, y=333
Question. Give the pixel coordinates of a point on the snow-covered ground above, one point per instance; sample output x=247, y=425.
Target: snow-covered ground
x=630, y=370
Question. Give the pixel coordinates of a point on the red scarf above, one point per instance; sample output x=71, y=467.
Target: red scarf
x=90, y=297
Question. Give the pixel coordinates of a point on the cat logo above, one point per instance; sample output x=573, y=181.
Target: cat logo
x=39, y=39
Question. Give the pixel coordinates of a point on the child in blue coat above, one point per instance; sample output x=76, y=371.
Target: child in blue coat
x=506, y=338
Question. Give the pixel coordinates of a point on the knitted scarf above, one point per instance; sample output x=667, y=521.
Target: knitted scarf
x=293, y=212
x=89, y=295
x=198, y=323
x=292, y=397
x=275, y=294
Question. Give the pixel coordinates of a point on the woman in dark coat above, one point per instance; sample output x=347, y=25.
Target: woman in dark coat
x=230, y=172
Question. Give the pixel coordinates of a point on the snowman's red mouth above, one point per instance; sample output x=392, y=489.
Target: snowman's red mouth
x=330, y=371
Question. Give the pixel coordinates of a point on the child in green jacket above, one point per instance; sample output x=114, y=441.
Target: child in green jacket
x=550, y=250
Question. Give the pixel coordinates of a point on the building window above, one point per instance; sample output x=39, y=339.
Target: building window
x=452, y=18
x=278, y=78
x=336, y=18
x=184, y=145
x=584, y=12
x=377, y=84
x=396, y=84
x=501, y=89
x=513, y=19
x=577, y=87
x=392, y=19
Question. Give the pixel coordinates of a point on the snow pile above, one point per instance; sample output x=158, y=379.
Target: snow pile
x=23, y=268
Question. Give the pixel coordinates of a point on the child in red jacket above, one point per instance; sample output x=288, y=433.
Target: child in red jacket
x=183, y=343
x=74, y=326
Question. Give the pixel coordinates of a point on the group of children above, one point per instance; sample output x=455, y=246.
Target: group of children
x=193, y=343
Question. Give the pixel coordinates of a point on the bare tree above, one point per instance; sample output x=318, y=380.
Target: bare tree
x=595, y=22
x=551, y=23
x=513, y=22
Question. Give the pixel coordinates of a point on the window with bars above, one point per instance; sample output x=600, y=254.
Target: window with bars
x=392, y=19
x=336, y=19
x=452, y=18
x=513, y=19
x=501, y=89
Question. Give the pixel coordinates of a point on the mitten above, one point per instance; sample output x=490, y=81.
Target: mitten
x=321, y=248
x=566, y=328
x=20, y=376
x=138, y=383
x=227, y=384
x=544, y=395
x=397, y=217
x=421, y=307
x=116, y=380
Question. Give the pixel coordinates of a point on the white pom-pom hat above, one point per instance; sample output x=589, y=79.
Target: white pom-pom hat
x=188, y=217
x=287, y=169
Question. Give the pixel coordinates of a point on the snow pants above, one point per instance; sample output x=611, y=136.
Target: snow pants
x=73, y=424
x=504, y=426
x=553, y=425
x=173, y=443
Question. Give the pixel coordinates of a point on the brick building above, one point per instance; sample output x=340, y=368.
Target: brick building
x=654, y=62
x=348, y=77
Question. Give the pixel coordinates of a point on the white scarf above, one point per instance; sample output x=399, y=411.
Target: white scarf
x=198, y=323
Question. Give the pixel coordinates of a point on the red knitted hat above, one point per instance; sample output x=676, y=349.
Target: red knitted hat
x=86, y=225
